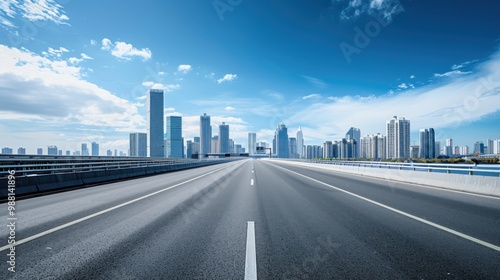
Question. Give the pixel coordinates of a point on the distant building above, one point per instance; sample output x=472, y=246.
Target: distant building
x=397, y=138
x=437, y=148
x=7, y=151
x=479, y=147
x=354, y=134
x=427, y=144
x=300, y=143
x=52, y=150
x=224, y=145
x=281, y=140
x=347, y=148
x=21, y=151
x=154, y=108
x=85, y=150
x=464, y=150
x=59, y=152
x=292, y=148
x=415, y=151
x=214, y=144
x=448, y=148
x=489, y=146
x=39, y=151
x=95, y=149
x=328, y=149
x=372, y=147
x=205, y=135
x=109, y=153
x=138, y=145
x=68, y=152
x=496, y=146
x=252, y=143
x=174, y=146
x=313, y=151
x=76, y=153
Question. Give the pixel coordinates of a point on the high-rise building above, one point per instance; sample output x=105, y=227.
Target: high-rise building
x=281, y=136
x=479, y=147
x=7, y=151
x=224, y=145
x=214, y=147
x=205, y=134
x=68, y=152
x=252, y=143
x=85, y=149
x=448, y=148
x=109, y=153
x=39, y=151
x=496, y=147
x=21, y=151
x=138, y=145
x=95, y=149
x=464, y=150
x=154, y=108
x=328, y=149
x=300, y=143
x=174, y=146
x=347, y=148
x=397, y=138
x=489, y=145
x=52, y=150
x=415, y=151
x=59, y=152
x=354, y=134
x=437, y=148
x=427, y=144
x=456, y=150
x=292, y=147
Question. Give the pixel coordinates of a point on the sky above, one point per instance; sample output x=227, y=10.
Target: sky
x=75, y=72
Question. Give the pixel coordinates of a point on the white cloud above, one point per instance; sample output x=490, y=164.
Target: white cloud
x=74, y=60
x=184, y=68
x=314, y=95
x=124, y=50
x=461, y=99
x=167, y=88
x=46, y=10
x=315, y=81
x=93, y=42
x=53, y=92
x=229, y=108
x=412, y=77
x=451, y=73
x=462, y=65
x=403, y=86
x=84, y=56
x=227, y=78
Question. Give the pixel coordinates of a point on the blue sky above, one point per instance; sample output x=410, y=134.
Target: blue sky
x=78, y=71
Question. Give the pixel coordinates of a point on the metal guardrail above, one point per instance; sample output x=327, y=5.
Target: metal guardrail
x=42, y=165
x=464, y=169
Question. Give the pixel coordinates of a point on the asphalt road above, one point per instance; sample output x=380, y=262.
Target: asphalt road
x=277, y=220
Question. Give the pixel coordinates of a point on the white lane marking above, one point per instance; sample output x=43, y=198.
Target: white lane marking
x=251, y=182
x=443, y=228
x=251, y=256
x=41, y=234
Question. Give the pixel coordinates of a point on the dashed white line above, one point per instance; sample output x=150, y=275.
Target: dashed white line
x=251, y=256
x=251, y=182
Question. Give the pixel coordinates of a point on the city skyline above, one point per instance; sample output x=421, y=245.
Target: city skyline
x=66, y=80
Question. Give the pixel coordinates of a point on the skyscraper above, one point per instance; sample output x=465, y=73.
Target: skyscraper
x=21, y=151
x=354, y=134
x=95, y=149
x=448, y=148
x=52, y=150
x=154, y=108
x=39, y=151
x=252, y=142
x=138, y=145
x=292, y=147
x=174, y=144
x=328, y=149
x=224, y=138
x=205, y=134
x=7, y=151
x=85, y=150
x=427, y=144
x=300, y=143
x=398, y=138
x=281, y=137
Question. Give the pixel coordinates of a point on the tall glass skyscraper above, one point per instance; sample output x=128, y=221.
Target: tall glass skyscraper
x=224, y=138
x=154, y=108
x=354, y=134
x=252, y=143
x=281, y=137
x=95, y=149
x=300, y=143
x=138, y=144
x=174, y=146
x=427, y=143
x=205, y=134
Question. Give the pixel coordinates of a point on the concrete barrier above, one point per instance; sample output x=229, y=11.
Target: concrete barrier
x=468, y=183
x=23, y=186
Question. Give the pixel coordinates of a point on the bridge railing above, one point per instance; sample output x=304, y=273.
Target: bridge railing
x=464, y=169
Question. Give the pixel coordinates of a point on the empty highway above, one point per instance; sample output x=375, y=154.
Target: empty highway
x=255, y=219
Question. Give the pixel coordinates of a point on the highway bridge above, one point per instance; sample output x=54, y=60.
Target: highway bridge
x=255, y=219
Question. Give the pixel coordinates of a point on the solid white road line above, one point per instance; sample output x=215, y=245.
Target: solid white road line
x=251, y=256
x=33, y=237
x=251, y=182
x=449, y=230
